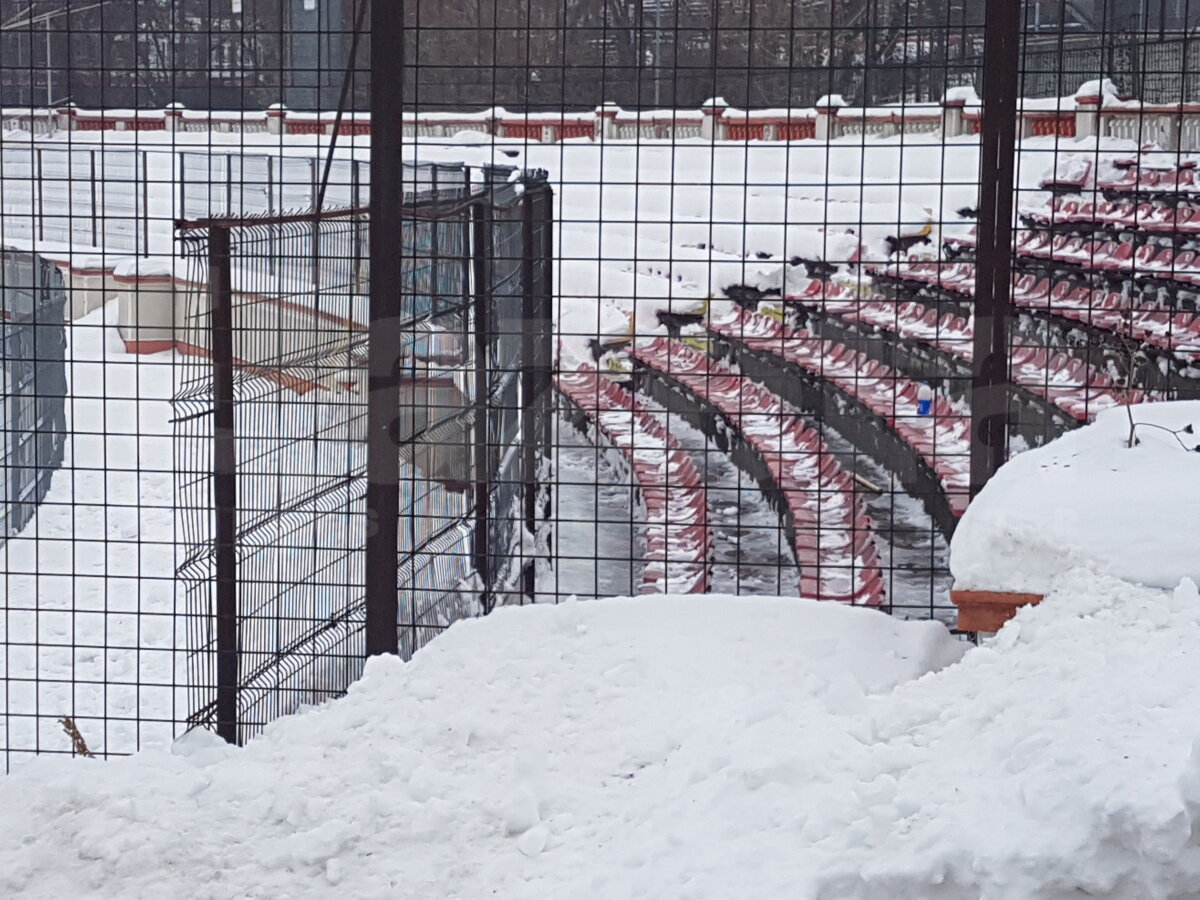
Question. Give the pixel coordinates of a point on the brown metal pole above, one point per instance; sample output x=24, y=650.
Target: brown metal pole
x=530, y=394
x=481, y=223
x=993, y=270
x=220, y=293
x=383, y=361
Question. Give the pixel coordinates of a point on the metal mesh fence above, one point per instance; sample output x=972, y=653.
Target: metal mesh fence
x=272, y=424
x=521, y=301
x=293, y=331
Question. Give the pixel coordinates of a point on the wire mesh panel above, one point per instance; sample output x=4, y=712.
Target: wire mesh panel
x=273, y=495
x=658, y=297
x=291, y=291
x=116, y=120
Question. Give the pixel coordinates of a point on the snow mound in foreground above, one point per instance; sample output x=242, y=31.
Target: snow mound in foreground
x=678, y=747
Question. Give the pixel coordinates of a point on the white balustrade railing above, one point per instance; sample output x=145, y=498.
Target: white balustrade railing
x=1170, y=127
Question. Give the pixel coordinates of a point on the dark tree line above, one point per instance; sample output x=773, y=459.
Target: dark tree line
x=679, y=52
x=231, y=54
x=540, y=54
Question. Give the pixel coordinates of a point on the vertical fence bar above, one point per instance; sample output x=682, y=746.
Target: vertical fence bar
x=383, y=354
x=356, y=203
x=993, y=272
x=229, y=185
x=95, y=208
x=482, y=325
x=182, y=161
x=318, y=191
x=547, y=359
x=220, y=294
x=41, y=205
x=271, y=251
x=531, y=396
x=145, y=204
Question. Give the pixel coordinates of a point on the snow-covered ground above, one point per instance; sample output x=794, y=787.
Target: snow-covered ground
x=678, y=747
x=88, y=594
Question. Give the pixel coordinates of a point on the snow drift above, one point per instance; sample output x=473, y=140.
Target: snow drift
x=678, y=747
x=1089, y=500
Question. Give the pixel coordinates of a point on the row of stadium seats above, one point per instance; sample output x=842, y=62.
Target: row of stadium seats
x=1072, y=385
x=679, y=542
x=940, y=439
x=831, y=530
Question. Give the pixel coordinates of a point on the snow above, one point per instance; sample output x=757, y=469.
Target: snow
x=149, y=267
x=830, y=101
x=1087, y=499
x=964, y=94
x=88, y=592
x=678, y=747
x=1101, y=87
x=659, y=747
x=642, y=228
x=538, y=752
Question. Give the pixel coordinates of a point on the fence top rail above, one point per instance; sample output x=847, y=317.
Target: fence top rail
x=251, y=221
x=420, y=208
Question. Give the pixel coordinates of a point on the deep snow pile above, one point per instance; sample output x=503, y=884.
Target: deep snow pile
x=1088, y=499
x=678, y=747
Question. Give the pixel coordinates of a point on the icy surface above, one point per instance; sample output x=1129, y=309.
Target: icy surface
x=1087, y=499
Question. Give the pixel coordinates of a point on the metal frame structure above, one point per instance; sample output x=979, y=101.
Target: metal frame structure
x=546, y=303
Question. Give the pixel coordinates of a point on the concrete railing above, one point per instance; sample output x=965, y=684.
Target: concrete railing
x=1094, y=111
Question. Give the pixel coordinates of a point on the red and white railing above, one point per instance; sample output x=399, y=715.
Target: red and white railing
x=1088, y=114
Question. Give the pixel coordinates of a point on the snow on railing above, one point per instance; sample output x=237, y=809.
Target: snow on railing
x=1094, y=110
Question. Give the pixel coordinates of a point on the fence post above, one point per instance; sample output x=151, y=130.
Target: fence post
x=272, y=254
x=318, y=199
x=532, y=391
x=606, y=122
x=712, y=126
x=276, y=114
x=993, y=285
x=952, y=118
x=480, y=221
x=826, y=125
x=220, y=296
x=356, y=203
x=1087, y=116
x=383, y=353
x=548, y=350
x=145, y=205
x=181, y=162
